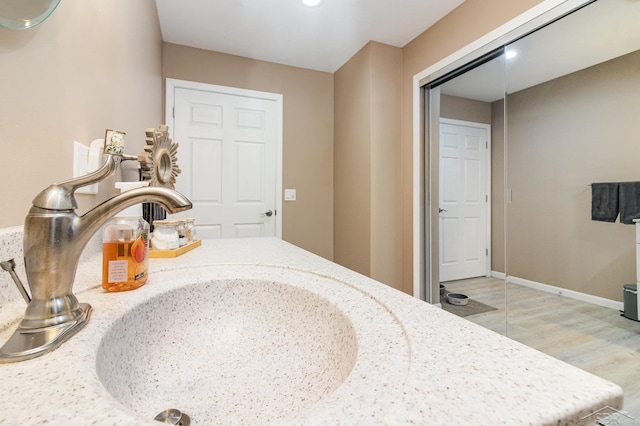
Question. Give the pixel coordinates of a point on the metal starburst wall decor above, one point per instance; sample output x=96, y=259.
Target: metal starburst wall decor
x=159, y=161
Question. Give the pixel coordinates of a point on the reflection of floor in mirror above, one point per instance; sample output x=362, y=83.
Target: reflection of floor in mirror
x=588, y=336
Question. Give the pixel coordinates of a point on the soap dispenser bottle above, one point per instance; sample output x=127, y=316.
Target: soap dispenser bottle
x=125, y=248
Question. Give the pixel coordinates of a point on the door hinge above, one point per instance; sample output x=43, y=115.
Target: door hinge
x=173, y=112
x=486, y=252
x=486, y=144
x=486, y=198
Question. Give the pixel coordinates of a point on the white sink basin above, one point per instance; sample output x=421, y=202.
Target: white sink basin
x=243, y=350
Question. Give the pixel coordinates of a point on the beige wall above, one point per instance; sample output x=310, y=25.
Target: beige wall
x=386, y=207
x=352, y=163
x=92, y=65
x=470, y=21
x=457, y=108
x=562, y=136
x=366, y=138
x=308, y=132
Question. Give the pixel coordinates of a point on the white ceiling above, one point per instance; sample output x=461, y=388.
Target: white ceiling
x=597, y=33
x=285, y=32
x=325, y=37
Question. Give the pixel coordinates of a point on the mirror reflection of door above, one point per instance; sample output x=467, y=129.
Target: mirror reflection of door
x=464, y=200
x=229, y=159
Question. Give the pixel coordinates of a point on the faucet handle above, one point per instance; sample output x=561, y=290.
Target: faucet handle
x=10, y=266
x=61, y=196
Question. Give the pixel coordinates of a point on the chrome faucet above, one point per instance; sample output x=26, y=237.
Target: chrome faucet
x=54, y=237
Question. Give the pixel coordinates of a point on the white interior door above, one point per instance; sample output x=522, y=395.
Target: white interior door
x=229, y=155
x=464, y=200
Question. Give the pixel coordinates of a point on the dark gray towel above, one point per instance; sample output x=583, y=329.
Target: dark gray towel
x=629, y=202
x=604, y=201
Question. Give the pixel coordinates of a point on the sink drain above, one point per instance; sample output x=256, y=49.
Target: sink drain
x=173, y=416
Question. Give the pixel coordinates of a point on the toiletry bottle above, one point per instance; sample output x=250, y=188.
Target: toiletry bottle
x=125, y=248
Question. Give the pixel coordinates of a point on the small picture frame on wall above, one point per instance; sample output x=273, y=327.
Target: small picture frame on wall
x=114, y=142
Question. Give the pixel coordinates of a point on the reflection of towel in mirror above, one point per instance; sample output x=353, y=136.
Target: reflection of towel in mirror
x=604, y=202
x=629, y=202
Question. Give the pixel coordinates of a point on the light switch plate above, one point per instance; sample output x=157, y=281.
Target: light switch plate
x=289, y=194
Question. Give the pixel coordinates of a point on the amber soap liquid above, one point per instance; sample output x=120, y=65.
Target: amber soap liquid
x=121, y=271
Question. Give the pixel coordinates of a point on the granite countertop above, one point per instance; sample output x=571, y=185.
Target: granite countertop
x=419, y=364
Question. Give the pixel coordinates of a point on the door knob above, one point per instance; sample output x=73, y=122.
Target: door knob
x=268, y=213
x=442, y=210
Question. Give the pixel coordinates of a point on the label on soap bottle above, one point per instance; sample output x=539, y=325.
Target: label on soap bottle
x=118, y=271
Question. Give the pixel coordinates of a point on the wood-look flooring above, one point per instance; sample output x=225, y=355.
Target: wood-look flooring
x=591, y=337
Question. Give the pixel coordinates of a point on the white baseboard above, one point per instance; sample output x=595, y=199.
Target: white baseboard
x=438, y=305
x=498, y=275
x=584, y=297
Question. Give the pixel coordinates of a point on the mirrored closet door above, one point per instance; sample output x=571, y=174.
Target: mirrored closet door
x=468, y=166
x=573, y=183
x=562, y=102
